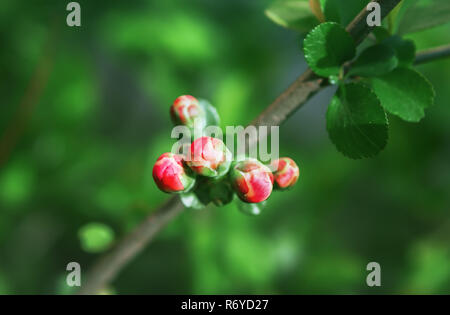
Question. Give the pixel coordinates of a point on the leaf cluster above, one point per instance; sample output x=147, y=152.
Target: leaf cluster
x=372, y=80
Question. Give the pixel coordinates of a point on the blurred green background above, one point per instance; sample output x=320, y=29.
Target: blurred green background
x=76, y=159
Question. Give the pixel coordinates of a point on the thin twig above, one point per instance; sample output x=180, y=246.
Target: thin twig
x=359, y=29
x=285, y=105
x=432, y=54
x=107, y=267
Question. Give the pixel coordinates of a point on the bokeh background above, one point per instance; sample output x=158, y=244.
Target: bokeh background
x=84, y=115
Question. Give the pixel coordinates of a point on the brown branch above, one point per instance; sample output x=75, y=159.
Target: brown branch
x=290, y=100
x=285, y=105
x=432, y=54
x=359, y=29
x=107, y=267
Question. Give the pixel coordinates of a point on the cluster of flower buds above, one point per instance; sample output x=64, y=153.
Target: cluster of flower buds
x=208, y=170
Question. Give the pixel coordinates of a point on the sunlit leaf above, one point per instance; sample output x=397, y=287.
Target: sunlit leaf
x=293, y=14
x=327, y=47
x=417, y=15
x=405, y=93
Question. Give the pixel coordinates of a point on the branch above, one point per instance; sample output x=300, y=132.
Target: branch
x=359, y=29
x=432, y=54
x=108, y=266
x=284, y=105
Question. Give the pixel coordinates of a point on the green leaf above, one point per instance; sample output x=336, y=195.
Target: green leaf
x=417, y=15
x=374, y=61
x=340, y=11
x=330, y=9
x=405, y=50
x=356, y=123
x=212, y=116
x=327, y=47
x=95, y=237
x=292, y=14
x=404, y=92
x=380, y=33
x=190, y=200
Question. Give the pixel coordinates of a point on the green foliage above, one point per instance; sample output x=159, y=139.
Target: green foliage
x=297, y=14
x=380, y=33
x=356, y=123
x=95, y=237
x=212, y=116
x=374, y=61
x=293, y=14
x=405, y=50
x=327, y=47
x=417, y=15
x=405, y=93
x=408, y=17
x=342, y=11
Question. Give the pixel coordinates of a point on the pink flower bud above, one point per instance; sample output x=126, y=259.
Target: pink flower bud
x=209, y=157
x=169, y=174
x=286, y=173
x=185, y=110
x=251, y=180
